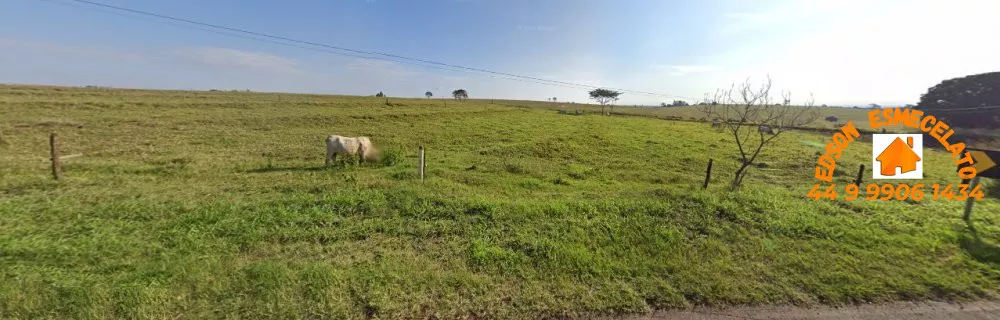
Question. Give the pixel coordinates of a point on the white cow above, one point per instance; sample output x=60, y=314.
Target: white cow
x=349, y=146
x=716, y=124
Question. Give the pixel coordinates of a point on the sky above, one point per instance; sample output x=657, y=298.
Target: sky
x=843, y=52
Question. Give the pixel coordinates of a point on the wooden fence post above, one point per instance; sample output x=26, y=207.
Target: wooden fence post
x=54, y=149
x=422, y=163
x=860, y=178
x=968, y=203
x=708, y=174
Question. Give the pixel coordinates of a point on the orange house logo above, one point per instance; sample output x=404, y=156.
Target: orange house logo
x=897, y=156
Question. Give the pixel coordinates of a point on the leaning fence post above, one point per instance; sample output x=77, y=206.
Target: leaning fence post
x=708, y=174
x=861, y=174
x=54, y=149
x=968, y=203
x=422, y=163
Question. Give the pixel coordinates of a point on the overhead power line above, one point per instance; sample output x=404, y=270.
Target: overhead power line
x=355, y=52
x=171, y=23
x=962, y=109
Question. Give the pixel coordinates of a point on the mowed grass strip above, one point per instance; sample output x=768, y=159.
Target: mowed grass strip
x=210, y=205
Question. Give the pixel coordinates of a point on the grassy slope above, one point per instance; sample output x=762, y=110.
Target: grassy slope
x=214, y=204
x=694, y=113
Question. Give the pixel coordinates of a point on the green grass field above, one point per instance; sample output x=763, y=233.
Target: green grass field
x=212, y=205
x=694, y=113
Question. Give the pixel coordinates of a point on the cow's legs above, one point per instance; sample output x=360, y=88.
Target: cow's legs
x=329, y=154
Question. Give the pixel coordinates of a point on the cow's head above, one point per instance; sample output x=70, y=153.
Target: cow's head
x=373, y=155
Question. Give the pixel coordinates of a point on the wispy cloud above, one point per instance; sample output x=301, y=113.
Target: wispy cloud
x=536, y=28
x=238, y=59
x=783, y=13
x=73, y=51
x=382, y=67
x=680, y=70
x=765, y=16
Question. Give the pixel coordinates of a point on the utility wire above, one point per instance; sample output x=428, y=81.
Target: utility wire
x=962, y=109
x=381, y=55
x=295, y=45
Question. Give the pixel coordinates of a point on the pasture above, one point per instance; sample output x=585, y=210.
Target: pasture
x=216, y=204
x=694, y=113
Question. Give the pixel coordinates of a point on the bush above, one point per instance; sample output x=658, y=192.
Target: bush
x=390, y=158
x=832, y=119
x=513, y=168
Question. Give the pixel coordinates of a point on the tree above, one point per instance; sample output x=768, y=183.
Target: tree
x=428, y=94
x=460, y=94
x=748, y=108
x=708, y=100
x=874, y=106
x=680, y=103
x=969, y=102
x=604, y=97
x=379, y=94
x=553, y=99
x=663, y=104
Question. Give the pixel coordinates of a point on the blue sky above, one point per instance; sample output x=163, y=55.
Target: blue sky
x=844, y=52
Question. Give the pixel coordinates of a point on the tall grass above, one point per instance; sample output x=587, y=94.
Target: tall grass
x=216, y=204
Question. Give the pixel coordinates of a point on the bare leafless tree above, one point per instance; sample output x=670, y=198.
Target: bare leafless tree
x=747, y=114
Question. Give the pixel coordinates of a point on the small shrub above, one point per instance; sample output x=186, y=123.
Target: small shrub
x=513, y=168
x=488, y=256
x=832, y=119
x=560, y=181
x=391, y=158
